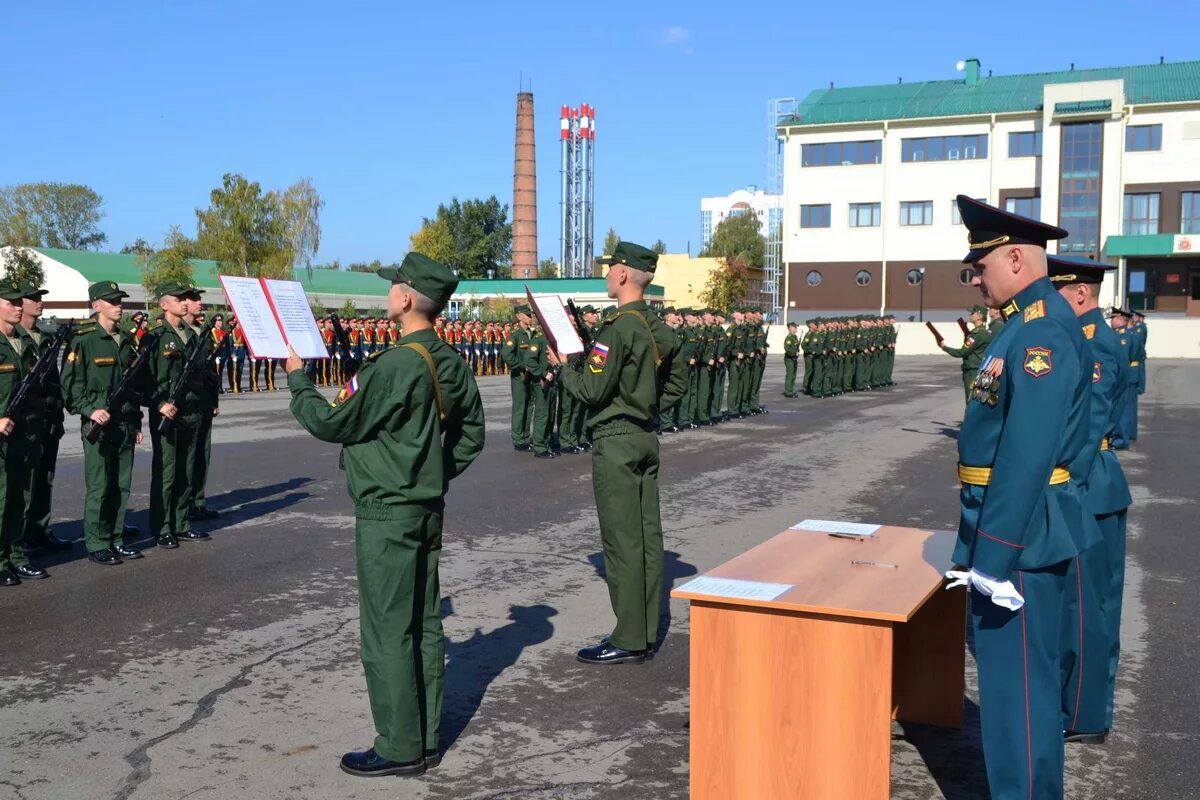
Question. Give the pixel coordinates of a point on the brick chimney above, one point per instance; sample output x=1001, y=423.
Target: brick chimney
x=524, y=243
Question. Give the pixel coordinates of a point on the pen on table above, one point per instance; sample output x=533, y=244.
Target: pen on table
x=847, y=536
x=857, y=563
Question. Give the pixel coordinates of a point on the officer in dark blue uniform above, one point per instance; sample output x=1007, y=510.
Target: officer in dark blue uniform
x=1091, y=638
x=1126, y=431
x=1021, y=513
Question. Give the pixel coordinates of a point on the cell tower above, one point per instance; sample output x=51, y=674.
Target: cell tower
x=577, y=132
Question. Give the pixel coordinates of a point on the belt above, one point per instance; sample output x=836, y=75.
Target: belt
x=982, y=476
x=1135, y=363
x=1105, y=443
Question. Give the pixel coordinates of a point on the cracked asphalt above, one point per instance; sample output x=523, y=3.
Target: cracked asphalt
x=229, y=668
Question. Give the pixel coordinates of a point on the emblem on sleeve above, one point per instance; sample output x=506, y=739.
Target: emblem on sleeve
x=1038, y=361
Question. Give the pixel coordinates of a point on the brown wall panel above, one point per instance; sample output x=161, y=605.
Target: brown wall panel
x=838, y=289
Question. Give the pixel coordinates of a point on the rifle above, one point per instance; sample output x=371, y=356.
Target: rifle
x=181, y=383
x=118, y=393
x=350, y=364
x=585, y=335
x=37, y=375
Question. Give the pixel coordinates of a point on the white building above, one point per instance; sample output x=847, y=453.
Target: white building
x=715, y=210
x=870, y=176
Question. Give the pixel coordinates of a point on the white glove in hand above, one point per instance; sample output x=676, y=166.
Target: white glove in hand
x=1002, y=593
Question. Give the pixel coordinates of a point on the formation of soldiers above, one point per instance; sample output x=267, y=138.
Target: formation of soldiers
x=842, y=355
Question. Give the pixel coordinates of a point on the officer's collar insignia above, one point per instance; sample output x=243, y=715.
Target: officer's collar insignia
x=1095, y=371
x=1035, y=311
x=1089, y=330
x=1038, y=361
x=1009, y=309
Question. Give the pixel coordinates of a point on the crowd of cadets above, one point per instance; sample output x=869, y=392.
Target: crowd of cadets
x=725, y=365
x=841, y=354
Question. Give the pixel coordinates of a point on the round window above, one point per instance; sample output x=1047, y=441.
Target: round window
x=813, y=278
x=914, y=277
x=965, y=276
x=863, y=278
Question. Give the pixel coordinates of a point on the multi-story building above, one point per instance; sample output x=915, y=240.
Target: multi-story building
x=870, y=176
x=751, y=200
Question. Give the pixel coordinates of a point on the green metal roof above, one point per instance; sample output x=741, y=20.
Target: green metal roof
x=127, y=269
x=1154, y=83
x=1155, y=244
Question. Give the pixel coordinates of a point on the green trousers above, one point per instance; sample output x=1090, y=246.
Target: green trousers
x=107, y=477
x=705, y=386
x=19, y=451
x=968, y=380
x=403, y=651
x=847, y=375
x=542, y=418
x=521, y=408
x=736, y=371
x=203, y=459
x=693, y=396
x=757, y=367
x=41, y=487
x=171, y=473
x=625, y=485
x=568, y=430
x=789, y=374
x=720, y=374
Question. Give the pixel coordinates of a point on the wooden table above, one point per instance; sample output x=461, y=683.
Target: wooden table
x=792, y=698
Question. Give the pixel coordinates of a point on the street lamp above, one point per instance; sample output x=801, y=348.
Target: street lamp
x=921, y=293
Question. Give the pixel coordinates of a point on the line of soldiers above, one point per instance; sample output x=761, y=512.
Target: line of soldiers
x=107, y=375
x=842, y=355
x=365, y=336
x=481, y=344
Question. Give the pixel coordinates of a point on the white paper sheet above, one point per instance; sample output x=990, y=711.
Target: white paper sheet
x=296, y=318
x=249, y=304
x=734, y=587
x=556, y=323
x=830, y=526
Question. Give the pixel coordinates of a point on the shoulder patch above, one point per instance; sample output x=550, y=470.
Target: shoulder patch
x=598, y=358
x=347, y=391
x=1038, y=360
x=1089, y=330
x=1035, y=311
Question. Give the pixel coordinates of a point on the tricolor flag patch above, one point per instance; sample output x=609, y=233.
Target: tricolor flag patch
x=598, y=358
x=347, y=391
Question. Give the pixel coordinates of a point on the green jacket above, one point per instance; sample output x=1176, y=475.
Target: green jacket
x=620, y=380
x=975, y=345
x=14, y=366
x=50, y=391
x=513, y=352
x=94, y=366
x=791, y=345
x=166, y=365
x=208, y=380
x=397, y=453
x=536, y=361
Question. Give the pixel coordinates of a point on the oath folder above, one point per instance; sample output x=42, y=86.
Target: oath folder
x=962, y=325
x=934, y=331
x=552, y=316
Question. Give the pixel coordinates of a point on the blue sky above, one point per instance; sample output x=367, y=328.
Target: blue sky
x=390, y=108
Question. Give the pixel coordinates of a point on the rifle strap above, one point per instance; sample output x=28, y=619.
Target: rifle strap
x=653, y=343
x=437, y=386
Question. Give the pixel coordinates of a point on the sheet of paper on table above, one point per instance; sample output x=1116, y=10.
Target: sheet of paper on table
x=831, y=526
x=556, y=323
x=734, y=587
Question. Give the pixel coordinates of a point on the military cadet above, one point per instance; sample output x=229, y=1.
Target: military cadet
x=173, y=467
x=37, y=536
x=1139, y=325
x=240, y=352
x=974, y=347
x=674, y=421
x=540, y=385
x=571, y=413
x=409, y=422
x=1092, y=621
x=99, y=354
x=1137, y=363
x=1126, y=431
x=1021, y=510
x=516, y=347
x=810, y=345
x=995, y=321
x=761, y=330
x=738, y=362
x=633, y=371
x=693, y=347
x=791, y=354
x=20, y=445
x=220, y=339
x=208, y=384
x=706, y=361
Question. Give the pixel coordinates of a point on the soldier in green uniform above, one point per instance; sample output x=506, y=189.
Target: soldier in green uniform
x=100, y=353
x=791, y=352
x=37, y=536
x=634, y=369
x=173, y=466
x=209, y=389
x=707, y=362
x=723, y=348
x=737, y=362
x=995, y=321
x=811, y=346
x=513, y=354
x=541, y=380
x=693, y=346
x=675, y=420
x=973, y=350
x=758, y=362
x=409, y=422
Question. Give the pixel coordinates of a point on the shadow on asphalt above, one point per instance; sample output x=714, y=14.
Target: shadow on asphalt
x=954, y=757
x=472, y=664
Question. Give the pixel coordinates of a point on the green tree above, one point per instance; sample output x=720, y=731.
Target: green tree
x=470, y=236
x=497, y=309
x=138, y=247
x=727, y=284
x=610, y=241
x=348, y=310
x=547, y=268
x=169, y=264
x=738, y=238
x=245, y=230
x=23, y=266
x=51, y=215
x=316, y=306
x=300, y=206
x=659, y=247
x=364, y=266
x=434, y=239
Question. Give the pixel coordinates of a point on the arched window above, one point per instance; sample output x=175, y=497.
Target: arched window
x=813, y=277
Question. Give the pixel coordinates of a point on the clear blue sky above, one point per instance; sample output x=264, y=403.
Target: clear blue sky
x=390, y=108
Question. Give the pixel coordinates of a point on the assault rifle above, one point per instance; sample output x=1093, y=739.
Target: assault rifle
x=585, y=335
x=35, y=378
x=192, y=363
x=122, y=390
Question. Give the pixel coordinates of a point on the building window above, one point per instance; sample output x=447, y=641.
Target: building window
x=864, y=215
x=914, y=277
x=1141, y=214
x=965, y=276
x=1025, y=144
x=916, y=212
x=1079, y=195
x=955, y=214
x=835, y=154
x=944, y=148
x=814, y=216
x=1030, y=207
x=1189, y=214
x=738, y=212
x=705, y=227
x=1143, y=137
x=862, y=278
x=813, y=278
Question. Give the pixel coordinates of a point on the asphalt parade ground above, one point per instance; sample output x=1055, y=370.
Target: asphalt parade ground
x=229, y=668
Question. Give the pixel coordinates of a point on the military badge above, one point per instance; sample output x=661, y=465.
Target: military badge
x=347, y=391
x=598, y=358
x=1089, y=330
x=1035, y=311
x=1096, y=372
x=1038, y=361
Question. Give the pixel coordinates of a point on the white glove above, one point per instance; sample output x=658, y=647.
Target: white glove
x=1003, y=593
